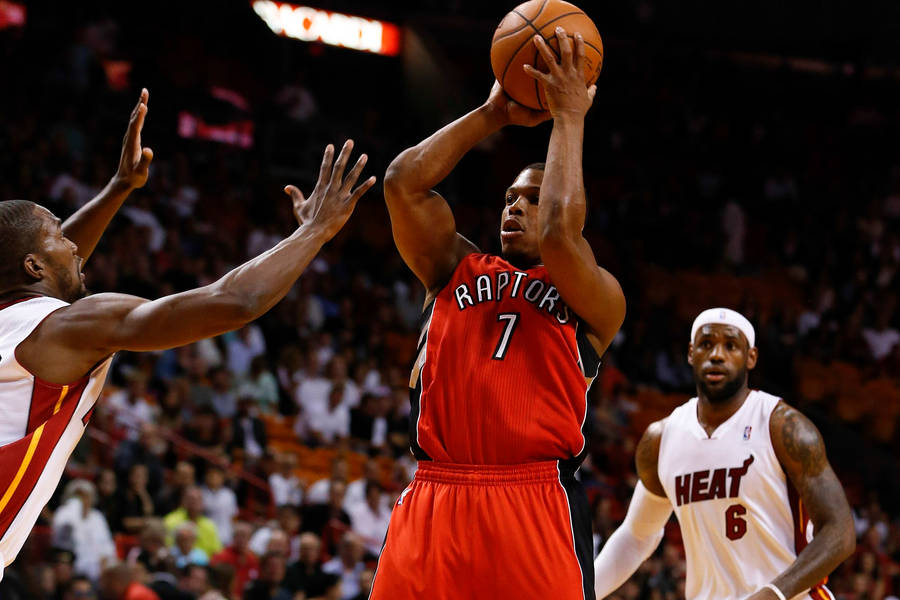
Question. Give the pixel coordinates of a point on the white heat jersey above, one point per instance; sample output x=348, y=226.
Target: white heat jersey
x=40, y=424
x=741, y=520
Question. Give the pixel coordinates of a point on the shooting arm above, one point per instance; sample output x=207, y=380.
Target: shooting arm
x=423, y=224
x=591, y=291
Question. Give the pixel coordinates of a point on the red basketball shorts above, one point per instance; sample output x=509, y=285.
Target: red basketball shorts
x=465, y=532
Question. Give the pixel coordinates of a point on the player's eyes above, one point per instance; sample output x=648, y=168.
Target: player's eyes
x=509, y=199
x=533, y=199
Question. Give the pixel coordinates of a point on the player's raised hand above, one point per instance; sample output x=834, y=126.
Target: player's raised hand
x=332, y=201
x=512, y=112
x=134, y=163
x=564, y=82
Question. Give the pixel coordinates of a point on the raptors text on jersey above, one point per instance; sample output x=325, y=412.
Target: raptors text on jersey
x=502, y=371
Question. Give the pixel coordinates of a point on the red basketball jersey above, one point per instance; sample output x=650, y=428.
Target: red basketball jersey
x=502, y=371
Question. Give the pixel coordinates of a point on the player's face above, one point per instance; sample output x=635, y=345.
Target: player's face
x=720, y=356
x=62, y=261
x=519, y=221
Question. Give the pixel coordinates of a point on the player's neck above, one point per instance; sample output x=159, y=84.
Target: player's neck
x=712, y=414
x=21, y=292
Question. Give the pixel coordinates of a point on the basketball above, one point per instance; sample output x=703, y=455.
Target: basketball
x=513, y=47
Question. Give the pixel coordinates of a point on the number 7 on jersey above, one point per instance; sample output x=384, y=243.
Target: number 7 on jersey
x=512, y=319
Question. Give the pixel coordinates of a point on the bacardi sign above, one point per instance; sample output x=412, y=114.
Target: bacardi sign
x=336, y=29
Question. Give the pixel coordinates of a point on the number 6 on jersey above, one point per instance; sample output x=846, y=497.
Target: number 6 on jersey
x=512, y=319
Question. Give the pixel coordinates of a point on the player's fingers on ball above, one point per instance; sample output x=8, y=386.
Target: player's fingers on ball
x=592, y=91
x=546, y=53
x=532, y=72
x=325, y=169
x=341, y=162
x=565, y=46
x=579, y=52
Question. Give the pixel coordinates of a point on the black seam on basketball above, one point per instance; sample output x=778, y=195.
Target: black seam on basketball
x=562, y=16
x=513, y=55
x=513, y=32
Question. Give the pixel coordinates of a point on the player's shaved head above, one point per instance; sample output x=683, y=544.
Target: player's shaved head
x=20, y=229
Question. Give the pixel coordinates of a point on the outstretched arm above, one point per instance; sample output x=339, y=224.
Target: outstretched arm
x=73, y=339
x=801, y=452
x=642, y=530
x=90, y=221
x=591, y=291
x=423, y=224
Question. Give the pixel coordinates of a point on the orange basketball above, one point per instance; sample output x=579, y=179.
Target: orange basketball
x=513, y=47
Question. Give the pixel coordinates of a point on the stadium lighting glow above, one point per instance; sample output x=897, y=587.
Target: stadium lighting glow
x=335, y=29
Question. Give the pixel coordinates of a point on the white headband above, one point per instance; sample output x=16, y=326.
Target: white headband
x=725, y=316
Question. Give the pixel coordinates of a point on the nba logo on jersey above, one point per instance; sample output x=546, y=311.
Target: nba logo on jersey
x=747, y=430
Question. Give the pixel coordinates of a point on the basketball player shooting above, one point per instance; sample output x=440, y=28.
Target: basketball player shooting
x=56, y=343
x=745, y=474
x=507, y=351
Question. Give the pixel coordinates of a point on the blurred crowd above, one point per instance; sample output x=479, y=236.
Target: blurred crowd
x=263, y=464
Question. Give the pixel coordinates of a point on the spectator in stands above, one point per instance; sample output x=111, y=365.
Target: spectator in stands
x=121, y=582
x=219, y=501
x=882, y=338
x=268, y=585
x=348, y=564
x=223, y=399
x=286, y=487
x=132, y=406
x=248, y=433
x=148, y=450
x=239, y=556
x=191, y=510
x=261, y=385
x=183, y=477
x=193, y=579
x=135, y=503
x=185, y=549
x=365, y=584
x=329, y=423
x=318, y=491
x=63, y=574
x=221, y=582
x=151, y=550
x=369, y=423
x=288, y=522
x=79, y=527
x=108, y=499
x=316, y=517
x=356, y=489
x=242, y=347
x=79, y=588
x=306, y=574
x=370, y=519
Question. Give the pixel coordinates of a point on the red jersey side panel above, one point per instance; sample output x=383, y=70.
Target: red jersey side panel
x=500, y=377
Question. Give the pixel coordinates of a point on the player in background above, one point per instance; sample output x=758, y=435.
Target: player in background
x=56, y=343
x=509, y=347
x=745, y=474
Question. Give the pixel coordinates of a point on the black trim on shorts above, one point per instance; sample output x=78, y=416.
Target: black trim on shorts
x=415, y=394
x=580, y=519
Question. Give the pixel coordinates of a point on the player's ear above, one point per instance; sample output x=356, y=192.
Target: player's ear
x=34, y=267
x=691, y=354
x=752, y=355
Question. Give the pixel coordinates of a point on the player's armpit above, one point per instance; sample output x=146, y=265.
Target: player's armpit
x=801, y=451
x=646, y=458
